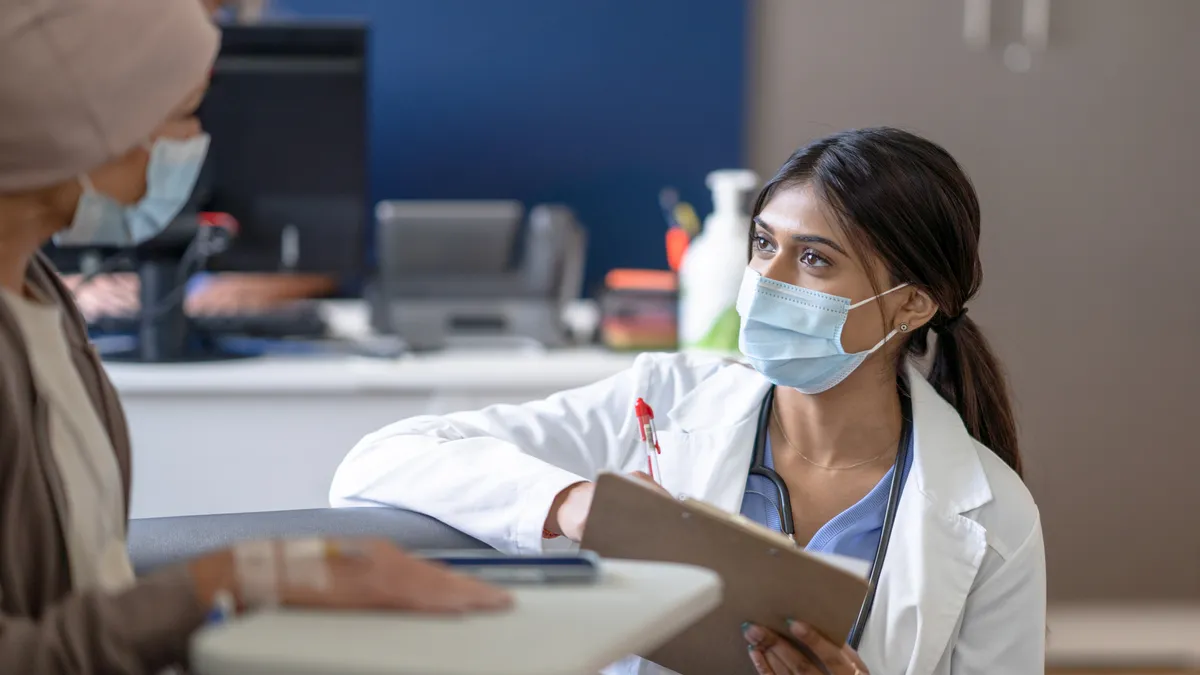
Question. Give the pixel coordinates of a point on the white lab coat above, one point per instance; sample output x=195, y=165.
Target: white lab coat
x=963, y=587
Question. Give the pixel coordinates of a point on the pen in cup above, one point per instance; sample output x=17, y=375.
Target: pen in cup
x=645, y=418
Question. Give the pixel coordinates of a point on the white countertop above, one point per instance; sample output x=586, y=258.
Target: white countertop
x=479, y=367
x=475, y=370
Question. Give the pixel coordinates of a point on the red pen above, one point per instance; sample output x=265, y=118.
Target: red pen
x=645, y=417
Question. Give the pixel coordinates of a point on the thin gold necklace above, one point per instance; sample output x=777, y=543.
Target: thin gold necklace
x=775, y=415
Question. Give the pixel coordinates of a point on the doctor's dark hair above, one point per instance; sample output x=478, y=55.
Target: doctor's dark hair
x=906, y=200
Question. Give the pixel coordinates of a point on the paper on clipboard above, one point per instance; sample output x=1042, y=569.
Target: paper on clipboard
x=767, y=578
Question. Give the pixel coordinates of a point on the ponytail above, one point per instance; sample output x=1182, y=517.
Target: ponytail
x=967, y=374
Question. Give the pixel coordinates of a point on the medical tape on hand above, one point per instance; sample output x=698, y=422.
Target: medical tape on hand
x=255, y=565
x=306, y=563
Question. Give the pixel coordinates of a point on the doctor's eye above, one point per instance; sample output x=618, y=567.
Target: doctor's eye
x=761, y=244
x=813, y=259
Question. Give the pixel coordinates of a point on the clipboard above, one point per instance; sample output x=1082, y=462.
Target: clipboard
x=767, y=578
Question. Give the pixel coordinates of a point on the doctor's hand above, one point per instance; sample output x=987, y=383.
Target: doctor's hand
x=569, y=512
x=773, y=655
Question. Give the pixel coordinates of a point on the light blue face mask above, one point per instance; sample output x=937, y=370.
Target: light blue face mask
x=793, y=335
x=171, y=174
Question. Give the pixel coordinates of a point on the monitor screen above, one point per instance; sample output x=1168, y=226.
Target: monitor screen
x=287, y=111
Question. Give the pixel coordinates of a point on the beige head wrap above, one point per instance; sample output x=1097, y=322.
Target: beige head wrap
x=83, y=81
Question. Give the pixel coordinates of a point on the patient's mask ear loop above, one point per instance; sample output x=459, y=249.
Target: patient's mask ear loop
x=86, y=183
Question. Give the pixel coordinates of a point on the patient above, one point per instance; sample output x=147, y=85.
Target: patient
x=116, y=294
x=98, y=142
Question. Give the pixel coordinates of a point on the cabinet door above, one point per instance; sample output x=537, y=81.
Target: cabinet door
x=1088, y=168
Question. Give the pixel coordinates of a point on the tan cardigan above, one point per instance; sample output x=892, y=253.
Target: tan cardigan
x=45, y=628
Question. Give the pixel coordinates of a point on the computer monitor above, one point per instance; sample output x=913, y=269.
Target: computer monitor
x=287, y=112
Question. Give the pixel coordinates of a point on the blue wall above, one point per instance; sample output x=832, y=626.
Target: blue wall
x=593, y=103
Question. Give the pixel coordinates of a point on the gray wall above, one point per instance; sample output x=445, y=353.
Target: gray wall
x=1088, y=169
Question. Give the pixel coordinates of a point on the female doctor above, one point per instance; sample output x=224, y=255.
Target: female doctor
x=863, y=257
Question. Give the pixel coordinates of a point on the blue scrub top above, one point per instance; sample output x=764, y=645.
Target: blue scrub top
x=854, y=532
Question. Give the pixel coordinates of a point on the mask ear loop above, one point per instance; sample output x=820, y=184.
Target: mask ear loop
x=860, y=303
x=882, y=342
x=890, y=335
x=86, y=184
x=87, y=228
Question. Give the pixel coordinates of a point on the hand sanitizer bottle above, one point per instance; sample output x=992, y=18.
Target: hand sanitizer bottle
x=713, y=266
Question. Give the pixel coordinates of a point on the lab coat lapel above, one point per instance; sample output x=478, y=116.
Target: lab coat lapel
x=715, y=426
x=929, y=571
x=935, y=551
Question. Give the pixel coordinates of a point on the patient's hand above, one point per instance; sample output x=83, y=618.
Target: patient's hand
x=383, y=577
x=358, y=574
x=569, y=513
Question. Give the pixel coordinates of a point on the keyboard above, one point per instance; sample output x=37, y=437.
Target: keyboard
x=302, y=320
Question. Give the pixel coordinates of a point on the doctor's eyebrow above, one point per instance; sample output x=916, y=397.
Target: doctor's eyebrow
x=804, y=238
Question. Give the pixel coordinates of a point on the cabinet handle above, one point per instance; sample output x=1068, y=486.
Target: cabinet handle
x=977, y=23
x=1035, y=24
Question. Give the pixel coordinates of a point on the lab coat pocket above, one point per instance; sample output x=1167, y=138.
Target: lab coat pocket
x=676, y=471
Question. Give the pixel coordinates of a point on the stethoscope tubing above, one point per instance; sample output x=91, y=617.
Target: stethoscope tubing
x=758, y=467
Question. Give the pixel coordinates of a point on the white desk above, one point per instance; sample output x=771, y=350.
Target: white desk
x=636, y=607
x=267, y=434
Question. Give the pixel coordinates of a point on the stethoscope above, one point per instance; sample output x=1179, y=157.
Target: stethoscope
x=759, y=468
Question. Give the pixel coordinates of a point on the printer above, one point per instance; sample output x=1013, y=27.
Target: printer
x=475, y=269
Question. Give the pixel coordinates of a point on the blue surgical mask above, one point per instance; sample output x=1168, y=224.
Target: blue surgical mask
x=793, y=335
x=171, y=174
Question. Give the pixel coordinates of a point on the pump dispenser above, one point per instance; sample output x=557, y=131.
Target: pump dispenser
x=713, y=266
